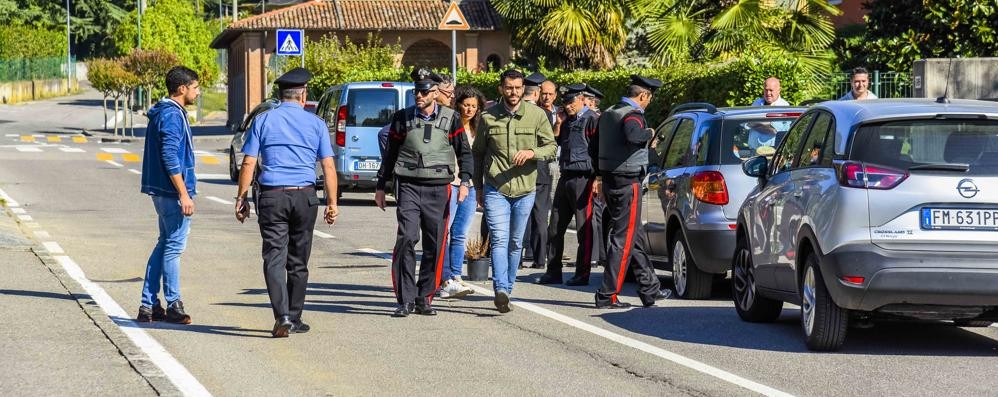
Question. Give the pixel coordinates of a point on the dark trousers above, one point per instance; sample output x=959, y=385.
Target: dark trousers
x=287, y=219
x=422, y=212
x=627, y=242
x=572, y=197
x=536, y=234
x=601, y=231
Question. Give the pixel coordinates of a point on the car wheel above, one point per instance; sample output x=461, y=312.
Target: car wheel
x=824, y=323
x=972, y=323
x=233, y=172
x=689, y=281
x=751, y=306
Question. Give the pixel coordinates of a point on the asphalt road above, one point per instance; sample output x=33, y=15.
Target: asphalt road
x=85, y=196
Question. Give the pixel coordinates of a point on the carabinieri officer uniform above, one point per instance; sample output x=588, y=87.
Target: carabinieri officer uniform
x=287, y=141
x=622, y=160
x=573, y=194
x=424, y=140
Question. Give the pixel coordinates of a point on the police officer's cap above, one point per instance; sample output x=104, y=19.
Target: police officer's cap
x=535, y=79
x=569, y=92
x=294, y=78
x=425, y=79
x=591, y=91
x=649, y=83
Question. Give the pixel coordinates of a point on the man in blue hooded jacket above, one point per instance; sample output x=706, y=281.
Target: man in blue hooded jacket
x=168, y=177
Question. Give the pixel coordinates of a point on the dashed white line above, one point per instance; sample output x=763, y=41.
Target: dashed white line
x=18, y=211
x=32, y=225
x=212, y=176
x=113, y=150
x=630, y=342
x=114, y=163
x=135, y=171
x=322, y=235
x=72, y=150
x=53, y=247
x=12, y=135
x=219, y=200
x=25, y=217
x=176, y=372
x=42, y=234
x=29, y=149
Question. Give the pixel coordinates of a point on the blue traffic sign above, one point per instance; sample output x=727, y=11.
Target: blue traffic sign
x=289, y=42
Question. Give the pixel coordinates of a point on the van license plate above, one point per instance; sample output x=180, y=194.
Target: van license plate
x=367, y=165
x=959, y=219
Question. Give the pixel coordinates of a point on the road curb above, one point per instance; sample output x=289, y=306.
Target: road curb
x=137, y=359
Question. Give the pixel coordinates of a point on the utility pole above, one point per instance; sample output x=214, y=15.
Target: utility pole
x=69, y=53
x=235, y=10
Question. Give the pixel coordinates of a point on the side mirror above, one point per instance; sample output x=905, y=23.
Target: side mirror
x=757, y=166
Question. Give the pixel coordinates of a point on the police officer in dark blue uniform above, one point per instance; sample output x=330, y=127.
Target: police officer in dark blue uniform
x=536, y=233
x=425, y=140
x=287, y=142
x=621, y=159
x=573, y=194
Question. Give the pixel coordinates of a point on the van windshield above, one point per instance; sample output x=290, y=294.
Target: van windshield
x=371, y=107
x=917, y=143
x=747, y=138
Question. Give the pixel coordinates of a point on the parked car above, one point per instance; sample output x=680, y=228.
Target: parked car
x=695, y=186
x=239, y=137
x=873, y=209
x=354, y=113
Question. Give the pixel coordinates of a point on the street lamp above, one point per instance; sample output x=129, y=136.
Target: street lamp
x=69, y=52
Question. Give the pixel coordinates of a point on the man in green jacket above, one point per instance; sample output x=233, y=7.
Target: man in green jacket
x=512, y=137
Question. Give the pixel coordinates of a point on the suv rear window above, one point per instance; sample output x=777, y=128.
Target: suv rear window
x=903, y=144
x=371, y=107
x=744, y=139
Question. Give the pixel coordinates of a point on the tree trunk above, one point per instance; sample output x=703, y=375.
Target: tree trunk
x=104, y=127
x=116, y=102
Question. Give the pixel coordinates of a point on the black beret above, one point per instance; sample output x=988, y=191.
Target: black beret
x=535, y=79
x=649, y=83
x=569, y=92
x=593, y=92
x=294, y=78
x=424, y=78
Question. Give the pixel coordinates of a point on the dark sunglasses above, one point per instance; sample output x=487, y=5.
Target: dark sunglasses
x=424, y=92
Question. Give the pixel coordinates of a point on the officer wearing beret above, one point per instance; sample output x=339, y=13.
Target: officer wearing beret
x=425, y=140
x=573, y=194
x=621, y=159
x=592, y=98
x=536, y=233
x=287, y=142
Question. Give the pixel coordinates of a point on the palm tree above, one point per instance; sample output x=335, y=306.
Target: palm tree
x=577, y=32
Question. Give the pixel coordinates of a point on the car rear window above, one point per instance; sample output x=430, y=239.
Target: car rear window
x=903, y=144
x=747, y=138
x=410, y=98
x=371, y=107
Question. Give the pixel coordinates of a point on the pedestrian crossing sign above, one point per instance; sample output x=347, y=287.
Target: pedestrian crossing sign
x=289, y=42
x=454, y=19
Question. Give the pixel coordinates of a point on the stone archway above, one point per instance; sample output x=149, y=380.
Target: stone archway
x=427, y=52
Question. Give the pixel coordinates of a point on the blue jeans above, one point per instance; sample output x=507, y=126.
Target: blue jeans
x=507, y=220
x=461, y=215
x=164, y=262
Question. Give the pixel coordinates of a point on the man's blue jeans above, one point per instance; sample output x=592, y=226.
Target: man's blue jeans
x=164, y=263
x=461, y=215
x=507, y=220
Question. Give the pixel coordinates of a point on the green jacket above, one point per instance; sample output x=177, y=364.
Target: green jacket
x=500, y=135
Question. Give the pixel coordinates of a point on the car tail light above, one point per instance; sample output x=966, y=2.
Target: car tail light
x=853, y=279
x=341, y=126
x=387, y=85
x=869, y=176
x=709, y=187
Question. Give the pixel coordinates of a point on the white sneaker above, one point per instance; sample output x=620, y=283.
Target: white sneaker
x=454, y=289
x=444, y=294
x=459, y=280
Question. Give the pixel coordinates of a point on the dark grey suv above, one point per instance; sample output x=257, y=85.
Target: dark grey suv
x=874, y=209
x=695, y=186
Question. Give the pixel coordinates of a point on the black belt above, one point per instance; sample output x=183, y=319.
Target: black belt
x=286, y=188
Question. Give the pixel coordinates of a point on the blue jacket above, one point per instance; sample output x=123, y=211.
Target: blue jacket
x=169, y=150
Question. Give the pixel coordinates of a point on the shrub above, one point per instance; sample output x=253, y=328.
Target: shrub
x=20, y=41
x=173, y=26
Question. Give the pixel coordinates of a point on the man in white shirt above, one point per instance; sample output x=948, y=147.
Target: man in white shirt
x=770, y=94
x=860, y=81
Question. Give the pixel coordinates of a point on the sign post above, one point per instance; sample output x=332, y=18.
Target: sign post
x=453, y=21
x=290, y=42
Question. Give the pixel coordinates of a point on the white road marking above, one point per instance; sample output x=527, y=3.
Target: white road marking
x=42, y=234
x=630, y=342
x=53, y=247
x=212, y=176
x=176, y=372
x=114, y=150
x=135, y=171
x=114, y=163
x=72, y=150
x=12, y=135
x=114, y=120
x=7, y=199
x=25, y=218
x=379, y=254
x=322, y=235
x=29, y=149
x=18, y=211
x=33, y=225
x=220, y=201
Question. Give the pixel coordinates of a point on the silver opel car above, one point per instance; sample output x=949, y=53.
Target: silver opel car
x=874, y=209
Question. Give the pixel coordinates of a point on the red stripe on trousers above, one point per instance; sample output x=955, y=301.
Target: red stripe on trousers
x=588, y=225
x=443, y=245
x=628, y=241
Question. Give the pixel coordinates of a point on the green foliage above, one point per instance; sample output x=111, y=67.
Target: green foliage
x=902, y=31
x=110, y=77
x=22, y=41
x=150, y=66
x=333, y=61
x=173, y=26
x=91, y=22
